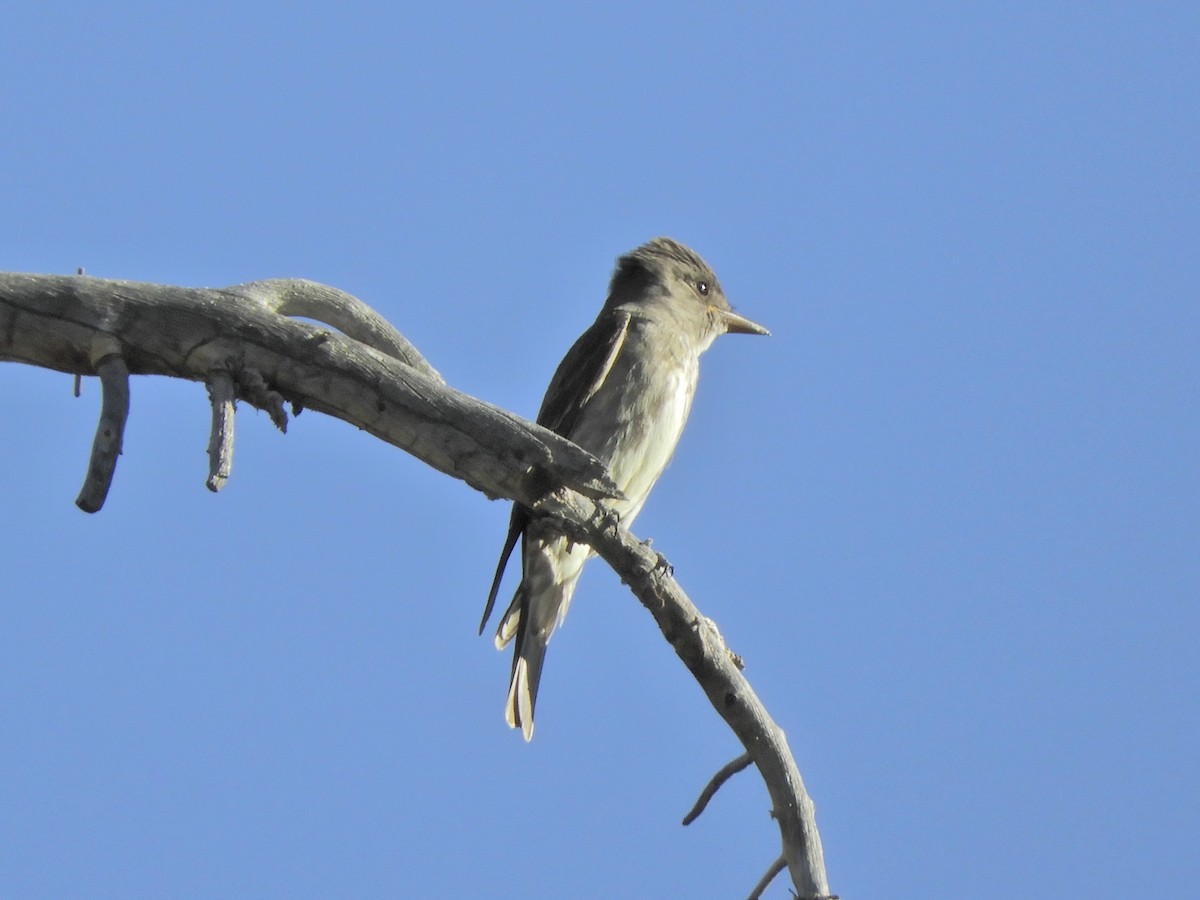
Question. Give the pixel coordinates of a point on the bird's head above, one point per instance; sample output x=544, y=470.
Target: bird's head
x=665, y=278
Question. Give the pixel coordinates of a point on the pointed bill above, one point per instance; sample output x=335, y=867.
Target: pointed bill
x=736, y=324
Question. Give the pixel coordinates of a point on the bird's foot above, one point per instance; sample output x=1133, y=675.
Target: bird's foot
x=660, y=564
x=609, y=519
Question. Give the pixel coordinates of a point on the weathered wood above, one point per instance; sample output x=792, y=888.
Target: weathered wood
x=52, y=321
x=110, y=431
x=221, y=394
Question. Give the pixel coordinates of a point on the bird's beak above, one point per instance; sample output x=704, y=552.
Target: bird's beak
x=735, y=324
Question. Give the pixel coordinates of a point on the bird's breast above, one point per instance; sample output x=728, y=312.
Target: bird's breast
x=635, y=419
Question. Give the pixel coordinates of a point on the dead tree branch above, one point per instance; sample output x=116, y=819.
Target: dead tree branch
x=241, y=342
x=775, y=868
x=726, y=772
x=110, y=433
x=220, y=444
x=53, y=322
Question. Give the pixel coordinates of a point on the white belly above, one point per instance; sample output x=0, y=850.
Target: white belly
x=634, y=431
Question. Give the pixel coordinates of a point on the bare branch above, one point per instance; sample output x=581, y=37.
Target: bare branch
x=726, y=772
x=763, y=883
x=708, y=659
x=110, y=431
x=220, y=442
x=345, y=312
x=50, y=321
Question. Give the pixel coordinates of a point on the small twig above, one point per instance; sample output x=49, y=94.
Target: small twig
x=256, y=391
x=776, y=867
x=726, y=772
x=110, y=432
x=220, y=442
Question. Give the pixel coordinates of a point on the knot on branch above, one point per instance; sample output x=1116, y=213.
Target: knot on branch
x=253, y=388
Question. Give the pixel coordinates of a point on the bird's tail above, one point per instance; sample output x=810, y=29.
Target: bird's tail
x=526, y=676
x=540, y=603
x=520, y=623
x=536, y=610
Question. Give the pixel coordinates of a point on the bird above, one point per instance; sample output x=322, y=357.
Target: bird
x=623, y=393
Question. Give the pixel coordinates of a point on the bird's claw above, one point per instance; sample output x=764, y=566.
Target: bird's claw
x=610, y=519
x=661, y=564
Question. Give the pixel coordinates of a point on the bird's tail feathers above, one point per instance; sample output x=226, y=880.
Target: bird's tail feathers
x=523, y=688
x=510, y=624
x=529, y=623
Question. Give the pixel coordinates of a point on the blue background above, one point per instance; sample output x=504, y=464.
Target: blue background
x=948, y=513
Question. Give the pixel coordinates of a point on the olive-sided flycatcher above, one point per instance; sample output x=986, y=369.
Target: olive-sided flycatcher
x=622, y=393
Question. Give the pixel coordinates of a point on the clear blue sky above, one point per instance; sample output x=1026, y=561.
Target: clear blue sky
x=949, y=512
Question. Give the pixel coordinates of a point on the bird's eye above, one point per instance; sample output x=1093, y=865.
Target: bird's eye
x=702, y=287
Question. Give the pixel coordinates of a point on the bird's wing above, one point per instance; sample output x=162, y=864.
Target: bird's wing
x=516, y=524
x=582, y=372
x=575, y=382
